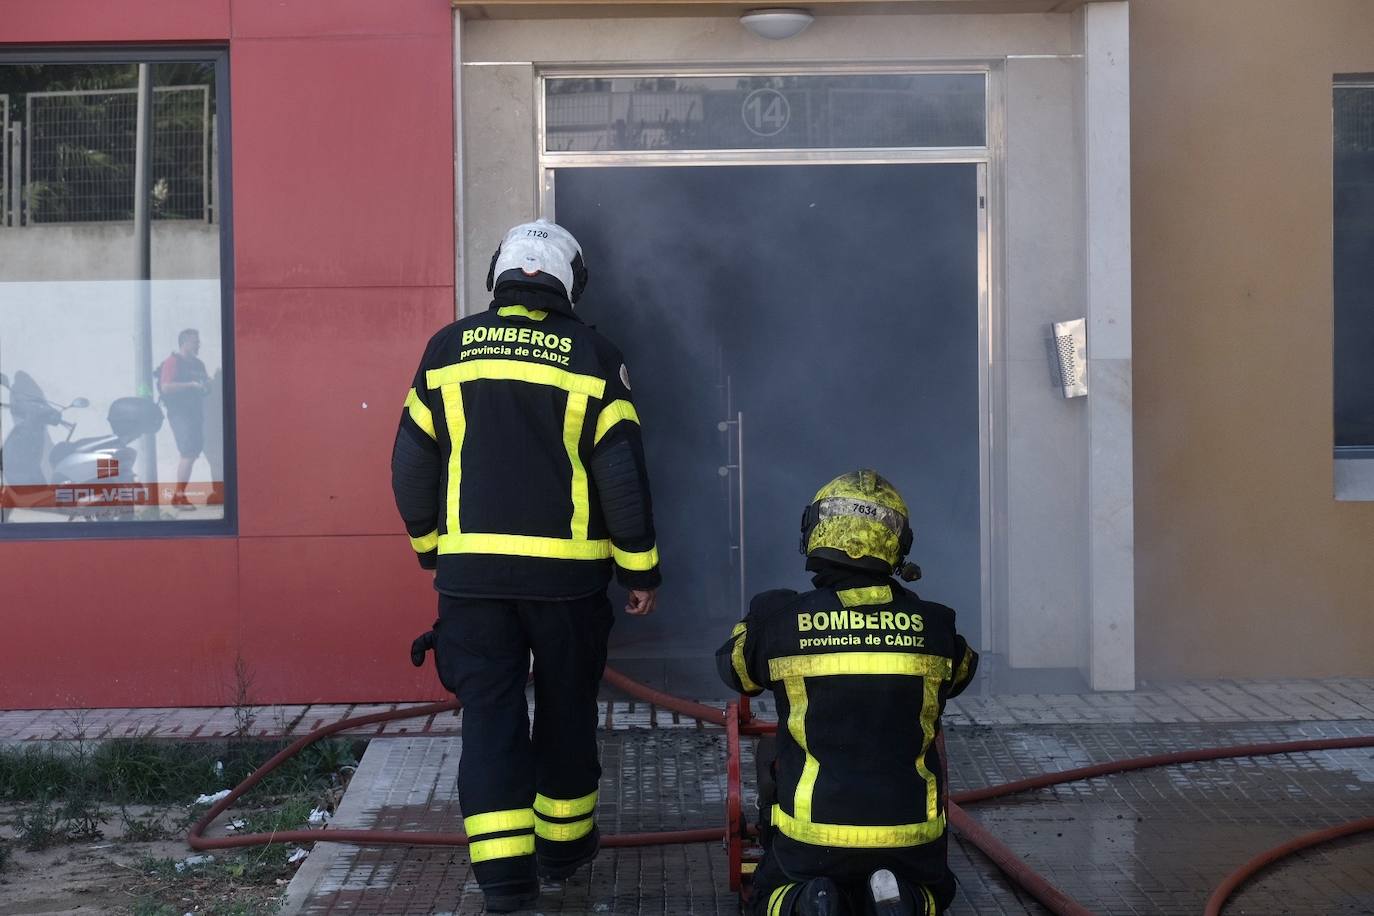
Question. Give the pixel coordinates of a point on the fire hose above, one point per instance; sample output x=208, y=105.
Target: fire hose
x=1055, y=900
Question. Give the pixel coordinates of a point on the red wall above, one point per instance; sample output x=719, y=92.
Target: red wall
x=342, y=158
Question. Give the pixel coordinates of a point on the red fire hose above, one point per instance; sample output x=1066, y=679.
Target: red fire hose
x=1051, y=897
x=644, y=692
x=1160, y=760
x=1265, y=859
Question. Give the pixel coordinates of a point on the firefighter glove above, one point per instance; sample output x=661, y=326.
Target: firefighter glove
x=422, y=645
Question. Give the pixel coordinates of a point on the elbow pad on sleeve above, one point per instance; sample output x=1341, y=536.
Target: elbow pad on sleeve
x=725, y=666
x=415, y=470
x=965, y=667
x=616, y=469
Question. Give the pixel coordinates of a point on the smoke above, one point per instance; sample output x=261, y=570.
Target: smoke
x=839, y=304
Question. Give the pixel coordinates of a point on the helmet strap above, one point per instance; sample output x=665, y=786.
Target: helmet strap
x=811, y=517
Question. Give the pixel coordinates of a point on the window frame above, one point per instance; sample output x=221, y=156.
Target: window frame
x=1358, y=82
x=218, y=55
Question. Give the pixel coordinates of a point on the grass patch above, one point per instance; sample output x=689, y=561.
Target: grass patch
x=244, y=883
x=292, y=815
x=32, y=772
x=142, y=771
x=69, y=791
x=145, y=771
x=39, y=826
x=148, y=827
x=153, y=908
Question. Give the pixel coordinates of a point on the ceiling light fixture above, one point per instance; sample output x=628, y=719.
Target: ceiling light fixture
x=777, y=24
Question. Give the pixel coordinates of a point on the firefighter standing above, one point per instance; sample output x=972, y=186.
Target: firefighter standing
x=860, y=668
x=519, y=472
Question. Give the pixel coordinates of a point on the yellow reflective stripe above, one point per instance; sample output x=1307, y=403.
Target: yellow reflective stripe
x=910, y=663
x=514, y=370
x=420, y=413
x=852, y=837
x=796, y=724
x=565, y=807
x=612, y=414
x=737, y=659
x=930, y=708
x=856, y=597
x=563, y=833
x=929, y=901
x=519, y=311
x=775, y=899
x=573, y=417
x=426, y=543
x=523, y=545
x=457, y=428
x=503, y=848
x=499, y=821
x=641, y=561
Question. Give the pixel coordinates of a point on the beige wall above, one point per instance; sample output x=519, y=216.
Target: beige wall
x=1245, y=563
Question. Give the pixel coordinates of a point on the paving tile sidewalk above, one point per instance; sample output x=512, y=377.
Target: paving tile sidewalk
x=1328, y=700
x=1152, y=842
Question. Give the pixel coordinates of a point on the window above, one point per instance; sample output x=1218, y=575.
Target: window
x=115, y=323
x=1354, y=268
x=861, y=111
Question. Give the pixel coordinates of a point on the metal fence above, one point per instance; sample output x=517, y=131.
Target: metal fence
x=79, y=151
x=618, y=120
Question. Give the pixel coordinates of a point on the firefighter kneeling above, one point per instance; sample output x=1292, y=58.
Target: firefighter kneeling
x=860, y=668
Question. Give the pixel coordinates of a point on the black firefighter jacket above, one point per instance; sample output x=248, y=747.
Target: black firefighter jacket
x=860, y=669
x=518, y=467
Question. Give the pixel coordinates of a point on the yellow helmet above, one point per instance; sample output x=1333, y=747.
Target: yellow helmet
x=858, y=519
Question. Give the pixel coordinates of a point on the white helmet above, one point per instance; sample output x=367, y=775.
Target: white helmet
x=539, y=253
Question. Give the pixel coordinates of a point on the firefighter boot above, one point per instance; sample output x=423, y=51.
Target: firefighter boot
x=820, y=897
x=887, y=897
x=817, y=897
x=554, y=868
x=508, y=900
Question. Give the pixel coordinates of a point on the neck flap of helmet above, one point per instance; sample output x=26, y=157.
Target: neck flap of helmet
x=829, y=574
x=532, y=296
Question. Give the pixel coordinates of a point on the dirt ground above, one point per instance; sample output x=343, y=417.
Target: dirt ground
x=99, y=877
x=120, y=876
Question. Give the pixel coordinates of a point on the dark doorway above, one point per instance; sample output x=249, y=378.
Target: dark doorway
x=836, y=308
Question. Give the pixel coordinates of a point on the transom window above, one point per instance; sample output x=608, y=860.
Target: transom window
x=765, y=112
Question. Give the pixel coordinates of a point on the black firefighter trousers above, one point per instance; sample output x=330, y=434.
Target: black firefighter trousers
x=524, y=794
x=778, y=888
